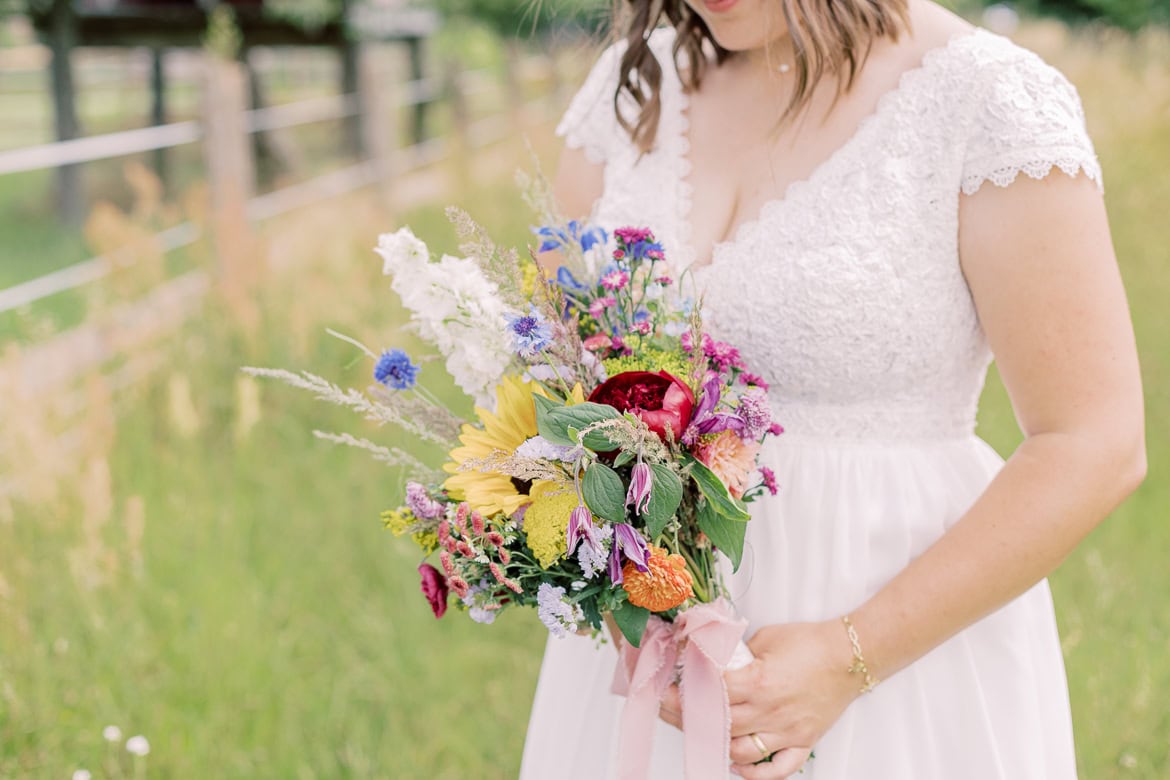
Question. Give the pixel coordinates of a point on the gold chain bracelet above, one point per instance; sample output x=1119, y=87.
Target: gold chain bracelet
x=858, y=666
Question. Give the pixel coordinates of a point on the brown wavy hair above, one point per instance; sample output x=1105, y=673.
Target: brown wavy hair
x=829, y=38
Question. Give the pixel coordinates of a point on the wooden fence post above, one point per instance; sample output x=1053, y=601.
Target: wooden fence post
x=227, y=153
x=375, y=132
x=62, y=40
x=460, y=154
x=158, y=109
x=419, y=113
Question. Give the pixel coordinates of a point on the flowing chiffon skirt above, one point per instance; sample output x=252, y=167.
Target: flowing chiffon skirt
x=990, y=703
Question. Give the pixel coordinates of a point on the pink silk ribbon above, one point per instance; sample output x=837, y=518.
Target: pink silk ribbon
x=707, y=635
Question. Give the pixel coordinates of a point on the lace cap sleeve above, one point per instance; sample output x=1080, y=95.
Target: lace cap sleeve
x=589, y=122
x=1029, y=120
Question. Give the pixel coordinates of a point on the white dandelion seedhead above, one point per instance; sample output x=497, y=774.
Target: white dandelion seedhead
x=82, y=774
x=112, y=734
x=138, y=745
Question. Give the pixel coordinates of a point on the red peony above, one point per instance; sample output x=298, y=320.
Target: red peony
x=434, y=587
x=661, y=401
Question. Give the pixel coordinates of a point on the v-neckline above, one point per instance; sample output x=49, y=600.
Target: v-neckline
x=794, y=189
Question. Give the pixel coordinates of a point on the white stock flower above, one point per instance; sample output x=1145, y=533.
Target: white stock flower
x=453, y=306
x=112, y=734
x=400, y=248
x=138, y=745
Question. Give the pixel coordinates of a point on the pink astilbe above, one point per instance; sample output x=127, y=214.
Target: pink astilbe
x=459, y=585
x=499, y=575
x=445, y=560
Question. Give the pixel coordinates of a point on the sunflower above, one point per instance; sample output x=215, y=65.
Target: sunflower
x=513, y=423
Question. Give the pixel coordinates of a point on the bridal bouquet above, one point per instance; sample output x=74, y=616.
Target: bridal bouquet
x=608, y=462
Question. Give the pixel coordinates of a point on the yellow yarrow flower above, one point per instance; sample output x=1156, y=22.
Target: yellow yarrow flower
x=529, y=274
x=399, y=521
x=427, y=541
x=649, y=359
x=546, y=521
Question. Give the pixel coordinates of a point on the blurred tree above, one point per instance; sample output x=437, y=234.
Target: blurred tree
x=1130, y=15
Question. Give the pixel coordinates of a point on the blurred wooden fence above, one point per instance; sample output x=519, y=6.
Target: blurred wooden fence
x=120, y=344
x=224, y=131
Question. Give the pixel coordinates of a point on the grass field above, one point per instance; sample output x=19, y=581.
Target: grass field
x=212, y=578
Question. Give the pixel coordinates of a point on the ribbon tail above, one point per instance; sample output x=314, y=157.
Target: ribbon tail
x=649, y=671
x=706, y=718
x=713, y=634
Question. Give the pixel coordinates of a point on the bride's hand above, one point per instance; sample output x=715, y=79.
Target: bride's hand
x=788, y=697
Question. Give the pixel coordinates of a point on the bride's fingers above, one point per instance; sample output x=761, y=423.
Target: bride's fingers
x=672, y=700
x=784, y=764
x=744, y=750
x=670, y=708
x=671, y=717
x=744, y=719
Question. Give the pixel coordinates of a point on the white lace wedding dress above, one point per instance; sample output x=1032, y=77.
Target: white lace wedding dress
x=848, y=297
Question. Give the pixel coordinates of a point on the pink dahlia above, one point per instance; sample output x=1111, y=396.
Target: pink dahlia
x=731, y=458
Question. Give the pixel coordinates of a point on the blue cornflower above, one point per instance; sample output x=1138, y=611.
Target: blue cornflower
x=530, y=333
x=395, y=370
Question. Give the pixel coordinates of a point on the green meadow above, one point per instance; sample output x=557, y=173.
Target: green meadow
x=188, y=563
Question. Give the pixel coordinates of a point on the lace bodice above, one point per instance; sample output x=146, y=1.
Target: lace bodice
x=846, y=294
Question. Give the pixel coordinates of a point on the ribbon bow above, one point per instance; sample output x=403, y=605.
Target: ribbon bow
x=704, y=639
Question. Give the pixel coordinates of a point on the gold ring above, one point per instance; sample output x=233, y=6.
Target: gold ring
x=760, y=746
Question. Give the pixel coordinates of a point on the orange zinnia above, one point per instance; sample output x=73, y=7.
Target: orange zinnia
x=666, y=585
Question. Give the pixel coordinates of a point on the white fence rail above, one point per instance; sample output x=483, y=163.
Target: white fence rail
x=260, y=207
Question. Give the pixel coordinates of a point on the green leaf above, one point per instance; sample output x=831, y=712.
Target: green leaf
x=716, y=493
x=599, y=442
x=582, y=415
x=622, y=459
x=604, y=493
x=665, y=497
x=632, y=622
x=589, y=610
x=549, y=428
x=725, y=533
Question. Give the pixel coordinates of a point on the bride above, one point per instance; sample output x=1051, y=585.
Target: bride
x=842, y=178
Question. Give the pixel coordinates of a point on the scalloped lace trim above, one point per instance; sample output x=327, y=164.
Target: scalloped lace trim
x=575, y=139
x=1004, y=175
x=907, y=81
